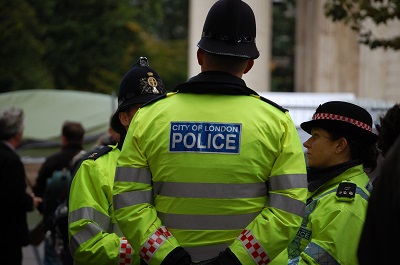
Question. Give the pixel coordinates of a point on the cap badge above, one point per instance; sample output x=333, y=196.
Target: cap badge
x=149, y=85
x=151, y=80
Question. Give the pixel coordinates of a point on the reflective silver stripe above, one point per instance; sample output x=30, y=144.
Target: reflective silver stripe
x=207, y=222
x=84, y=235
x=210, y=190
x=284, y=182
x=287, y=204
x=89, y=213
x=117, y=230
x=132, y=198
x=131, y=174
x=320, y=255
x=254, y=248
x=203, y=253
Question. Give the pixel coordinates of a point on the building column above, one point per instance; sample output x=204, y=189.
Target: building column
x=379, y=68
x=329, y=57
x=326, y=52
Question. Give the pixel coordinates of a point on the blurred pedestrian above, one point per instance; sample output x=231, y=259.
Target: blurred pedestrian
x=381, y=227
x=341, y=145
x=15, y=200
x=111, y=137
x=95, y=237
x=388, y=130
x=212, y=172
x=72, y=135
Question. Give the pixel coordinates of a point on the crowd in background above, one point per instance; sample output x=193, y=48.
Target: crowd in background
x=211, y=173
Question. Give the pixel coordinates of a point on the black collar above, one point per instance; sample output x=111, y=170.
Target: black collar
x=316, y=177
x=214, y=82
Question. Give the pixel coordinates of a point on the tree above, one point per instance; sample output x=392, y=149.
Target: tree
x=356, y=12
x=21, y=66
x=86, y=42
x=88, y=45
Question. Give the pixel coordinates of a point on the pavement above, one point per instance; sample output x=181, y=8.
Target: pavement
x=33, y=255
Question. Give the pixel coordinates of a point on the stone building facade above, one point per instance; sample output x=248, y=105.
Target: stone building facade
x=328, y=57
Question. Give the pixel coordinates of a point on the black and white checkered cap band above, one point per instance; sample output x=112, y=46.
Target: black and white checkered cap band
x=335, y=117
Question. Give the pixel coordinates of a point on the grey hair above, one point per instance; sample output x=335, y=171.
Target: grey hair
x=11, y=122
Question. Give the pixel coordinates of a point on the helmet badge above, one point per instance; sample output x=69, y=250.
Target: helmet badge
x=149, y=85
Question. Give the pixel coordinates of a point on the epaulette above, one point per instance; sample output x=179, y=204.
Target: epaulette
x=346, y=191
x=274, y=104
x=98, y=152
x=91, y=154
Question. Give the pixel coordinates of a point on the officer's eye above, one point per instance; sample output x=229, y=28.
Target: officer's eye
x=315, y=135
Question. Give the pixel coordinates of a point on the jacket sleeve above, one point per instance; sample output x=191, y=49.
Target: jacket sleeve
x=333, y=236
x=17, y=185
x=270, y=233
x=94, y=237
x=133, y=204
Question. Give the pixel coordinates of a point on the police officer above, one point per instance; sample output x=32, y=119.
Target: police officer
x=212, y=173
x=341, y=145
x=94, y=236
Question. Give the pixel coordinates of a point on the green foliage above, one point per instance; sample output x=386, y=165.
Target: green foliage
x=84, y=45
x=355, y=12
x=21, y=66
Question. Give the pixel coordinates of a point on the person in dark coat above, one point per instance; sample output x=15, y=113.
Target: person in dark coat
x=15, y=200
x=72, y=143
x=381, y=227
x=383, y=213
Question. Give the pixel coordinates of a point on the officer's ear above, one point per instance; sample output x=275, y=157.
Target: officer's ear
x=200, y=55
x=341, y=145
x=124, y=118
x=250, y=63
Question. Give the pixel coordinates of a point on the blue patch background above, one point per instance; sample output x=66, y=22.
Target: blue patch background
x=205, y=130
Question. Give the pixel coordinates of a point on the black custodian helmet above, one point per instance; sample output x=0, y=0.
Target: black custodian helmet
x=140, y=85
x=230, y=29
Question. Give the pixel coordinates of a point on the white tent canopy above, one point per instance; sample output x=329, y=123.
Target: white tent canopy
x=46, y=110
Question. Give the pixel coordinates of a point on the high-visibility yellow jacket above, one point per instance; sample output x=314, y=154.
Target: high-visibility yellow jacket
x=94, y=235
x=333, y=222
x=207, y=170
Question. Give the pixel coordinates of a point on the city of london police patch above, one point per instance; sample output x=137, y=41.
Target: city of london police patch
x=205, y=137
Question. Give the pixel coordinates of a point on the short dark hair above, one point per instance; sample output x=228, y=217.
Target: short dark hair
x=366, y=152
x=389, y=128
x=73, y=131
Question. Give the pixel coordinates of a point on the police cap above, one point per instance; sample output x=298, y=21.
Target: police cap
x=343, y=117
x=230, y=29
